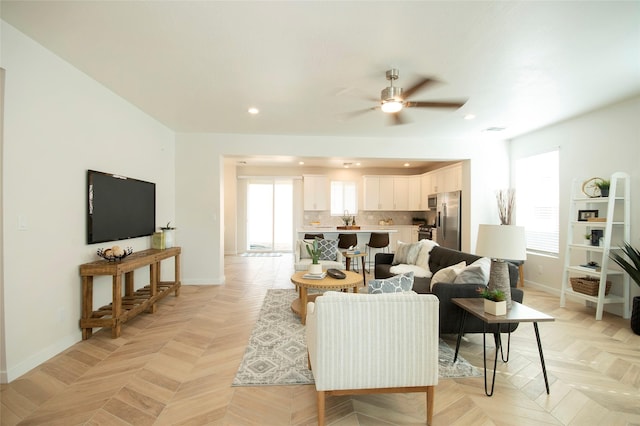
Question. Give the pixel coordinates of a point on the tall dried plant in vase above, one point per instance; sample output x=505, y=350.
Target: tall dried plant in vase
x=506, y=199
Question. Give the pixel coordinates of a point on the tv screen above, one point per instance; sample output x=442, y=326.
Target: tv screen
x=119, y=207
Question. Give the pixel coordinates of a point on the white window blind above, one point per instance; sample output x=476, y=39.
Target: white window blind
x=537, y=200
x=344, y=197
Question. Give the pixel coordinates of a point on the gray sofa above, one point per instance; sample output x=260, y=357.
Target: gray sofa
x=450, y=314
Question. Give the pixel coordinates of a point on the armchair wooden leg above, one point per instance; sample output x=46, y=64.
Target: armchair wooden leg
x=430, y=397
x=321, y=399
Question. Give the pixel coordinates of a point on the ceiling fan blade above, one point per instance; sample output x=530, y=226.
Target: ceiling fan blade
x=354, y=114
x=435, y=104
x=426, y=81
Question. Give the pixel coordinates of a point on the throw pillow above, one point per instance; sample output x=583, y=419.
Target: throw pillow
x=403, y=268
x=425, y=250
x=476, y=273
x=395, y=284
x=448, y=274
x=329, y=249
x=406, y=253
x=471, y=275
x=304, y=254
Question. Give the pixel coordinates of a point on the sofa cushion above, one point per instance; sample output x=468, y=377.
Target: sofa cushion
x=448, y=274
x=328, y=249
x=395, y=284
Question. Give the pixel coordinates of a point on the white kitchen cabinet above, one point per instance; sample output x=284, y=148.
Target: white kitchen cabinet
x=446, y=179
x=316, y=192
x=405, y=234
x=416, y=201
x=401, y=193
x=378, y=192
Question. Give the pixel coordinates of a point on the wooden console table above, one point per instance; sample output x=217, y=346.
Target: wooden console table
x=123, y=308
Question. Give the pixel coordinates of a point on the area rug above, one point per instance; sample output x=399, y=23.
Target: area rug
x=277, y=350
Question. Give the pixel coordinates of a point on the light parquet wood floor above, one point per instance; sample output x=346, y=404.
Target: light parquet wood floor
x=175, y=367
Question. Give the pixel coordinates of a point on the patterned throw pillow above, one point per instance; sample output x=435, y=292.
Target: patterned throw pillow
x=329, y=249
x=396, y=284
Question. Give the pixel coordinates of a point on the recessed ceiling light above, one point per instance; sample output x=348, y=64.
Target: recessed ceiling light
x=469, y=116
x=407, y=164
x=253, y=110
x=301, y=163
x=357, y=164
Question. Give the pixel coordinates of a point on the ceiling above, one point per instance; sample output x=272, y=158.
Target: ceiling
x=197, y=66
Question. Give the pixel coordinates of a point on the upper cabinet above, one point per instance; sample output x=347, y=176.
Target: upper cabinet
x=378, y=192
x=416, y=199
x=316, y=192
x=409, y=193
x=446, y=179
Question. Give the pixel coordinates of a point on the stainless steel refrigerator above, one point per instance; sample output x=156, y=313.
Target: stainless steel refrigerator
x=448, y=220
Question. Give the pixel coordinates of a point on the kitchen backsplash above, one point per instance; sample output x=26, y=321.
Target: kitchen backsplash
x=366, y=218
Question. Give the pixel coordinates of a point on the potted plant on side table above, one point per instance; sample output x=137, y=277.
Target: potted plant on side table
x=494, y=301
x=633, y=269
x=315, y=267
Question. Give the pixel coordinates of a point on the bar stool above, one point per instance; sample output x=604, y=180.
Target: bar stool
x=345, y=241
x=313, y=236
x=377, y=240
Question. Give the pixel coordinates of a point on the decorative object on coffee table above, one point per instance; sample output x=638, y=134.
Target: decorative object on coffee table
x=501, y=243
x=633, y=269
x=315, y=252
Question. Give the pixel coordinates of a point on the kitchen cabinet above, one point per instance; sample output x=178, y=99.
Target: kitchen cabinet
x=416, y=200
x=405, y=234
x=400, y=193
x=316, y=192
x=446, y=179
x=378, y=192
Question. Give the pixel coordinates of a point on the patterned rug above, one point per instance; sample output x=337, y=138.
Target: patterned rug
x=277, y=350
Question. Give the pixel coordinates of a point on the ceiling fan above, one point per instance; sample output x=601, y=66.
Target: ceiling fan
x=394, y=99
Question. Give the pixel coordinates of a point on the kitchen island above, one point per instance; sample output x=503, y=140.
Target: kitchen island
x=397, y=233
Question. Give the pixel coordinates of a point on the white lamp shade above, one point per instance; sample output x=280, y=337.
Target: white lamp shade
x=502, y=242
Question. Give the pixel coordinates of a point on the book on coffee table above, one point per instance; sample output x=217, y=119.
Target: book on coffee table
x=310, y=276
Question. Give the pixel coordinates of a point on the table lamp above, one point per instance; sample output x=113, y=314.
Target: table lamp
x=501, y=243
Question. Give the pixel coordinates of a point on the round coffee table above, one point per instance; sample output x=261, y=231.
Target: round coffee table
x=299, y=306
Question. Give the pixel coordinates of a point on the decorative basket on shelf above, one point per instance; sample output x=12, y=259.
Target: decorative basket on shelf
x=588, y=285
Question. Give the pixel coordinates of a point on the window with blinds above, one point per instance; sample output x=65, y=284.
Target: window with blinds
x=537, y=199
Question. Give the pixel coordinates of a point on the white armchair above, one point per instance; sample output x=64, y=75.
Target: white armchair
x=302, y=260
x=396, y=351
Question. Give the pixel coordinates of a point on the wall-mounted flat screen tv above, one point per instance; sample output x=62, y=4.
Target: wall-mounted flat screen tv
x=119, y=207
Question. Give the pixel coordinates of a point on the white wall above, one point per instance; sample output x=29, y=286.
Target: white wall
x=59, y=123
x=594, y=144
x=200, y=182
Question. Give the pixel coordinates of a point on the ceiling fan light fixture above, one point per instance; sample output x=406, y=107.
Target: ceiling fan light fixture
x=391, y=106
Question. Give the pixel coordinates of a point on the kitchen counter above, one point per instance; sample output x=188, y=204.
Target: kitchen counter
x=334, y=230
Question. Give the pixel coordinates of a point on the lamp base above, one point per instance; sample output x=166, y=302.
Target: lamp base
x=499, y=279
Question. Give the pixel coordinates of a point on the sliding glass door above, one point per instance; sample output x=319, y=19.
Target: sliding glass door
x=269, y=214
